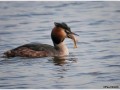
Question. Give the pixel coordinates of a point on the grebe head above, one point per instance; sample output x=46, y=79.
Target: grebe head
x=62, y=31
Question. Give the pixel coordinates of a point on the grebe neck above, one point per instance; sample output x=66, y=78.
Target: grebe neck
x=61, y=48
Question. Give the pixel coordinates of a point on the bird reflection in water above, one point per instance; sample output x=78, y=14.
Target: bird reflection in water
x=63, y=60
x=64, y=64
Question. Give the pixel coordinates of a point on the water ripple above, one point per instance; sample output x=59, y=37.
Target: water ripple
x=117, y=11
x=57, y=6
x=101, y=41
x=26, y=15
x=91, y=73
x=109, y=56
x=97, y=22
x=10, y=26
x=113, y=66
x=2, y=33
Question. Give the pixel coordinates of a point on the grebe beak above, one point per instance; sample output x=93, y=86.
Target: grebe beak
x=71, y=36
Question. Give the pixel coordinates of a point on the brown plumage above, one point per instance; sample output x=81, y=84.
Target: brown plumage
x=32, y=50
x=26, y=52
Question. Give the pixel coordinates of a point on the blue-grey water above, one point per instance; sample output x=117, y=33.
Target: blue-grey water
x=94, y=64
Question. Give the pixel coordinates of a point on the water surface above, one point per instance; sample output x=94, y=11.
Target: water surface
x=94, y=64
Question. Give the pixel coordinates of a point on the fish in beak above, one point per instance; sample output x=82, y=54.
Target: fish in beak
x=72, y=36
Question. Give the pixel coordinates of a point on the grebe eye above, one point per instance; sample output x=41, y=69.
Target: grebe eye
x=68, y=32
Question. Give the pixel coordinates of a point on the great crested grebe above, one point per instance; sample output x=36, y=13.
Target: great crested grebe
x=58, y=34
